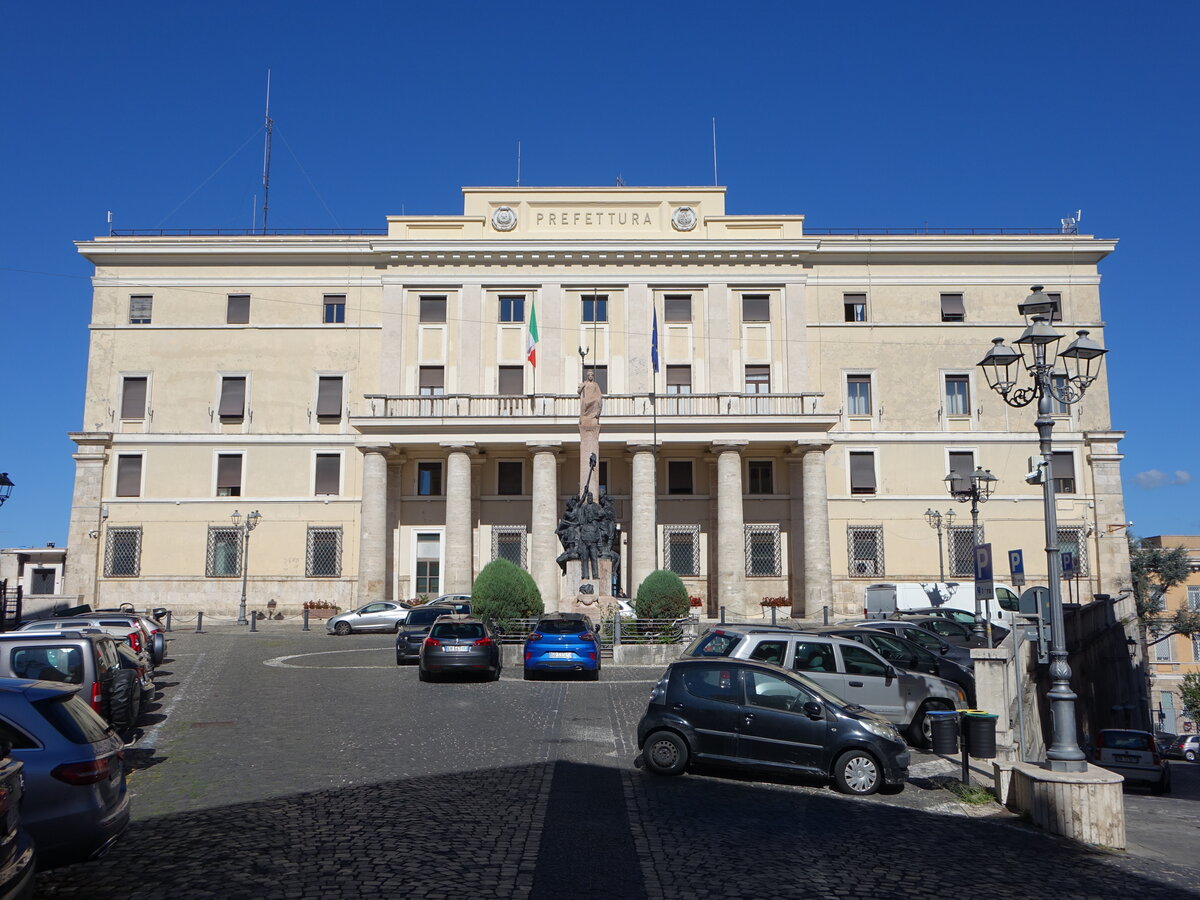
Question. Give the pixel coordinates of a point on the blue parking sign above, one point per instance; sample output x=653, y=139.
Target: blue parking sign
x=1016, y=567
x=1068, y=562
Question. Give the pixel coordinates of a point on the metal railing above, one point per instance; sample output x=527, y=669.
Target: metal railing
x=244, y=232
x=932, y=229
x=491, y=406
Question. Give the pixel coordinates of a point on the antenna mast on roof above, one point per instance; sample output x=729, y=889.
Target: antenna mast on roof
x=266, y=177
x=714, y=151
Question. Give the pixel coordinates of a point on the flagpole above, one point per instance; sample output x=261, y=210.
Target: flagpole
x=654, y=420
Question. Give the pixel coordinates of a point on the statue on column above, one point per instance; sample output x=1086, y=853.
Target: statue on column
x=591, y=400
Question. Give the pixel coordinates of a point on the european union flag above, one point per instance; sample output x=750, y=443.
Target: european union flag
x=654, y=343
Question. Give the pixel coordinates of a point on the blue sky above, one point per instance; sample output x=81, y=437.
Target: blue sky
x=867, y=114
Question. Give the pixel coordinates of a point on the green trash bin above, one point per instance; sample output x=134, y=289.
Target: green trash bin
x=979, y=734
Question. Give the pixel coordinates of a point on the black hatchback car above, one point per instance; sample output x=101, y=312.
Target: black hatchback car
x=752, y=714
x=411, y=635
x=460, y=644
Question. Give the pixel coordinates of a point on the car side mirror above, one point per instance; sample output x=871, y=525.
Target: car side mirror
x=889, y=673
x=813, y=710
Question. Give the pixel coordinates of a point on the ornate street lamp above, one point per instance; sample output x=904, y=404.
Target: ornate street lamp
x=935, y=519
x=1081, y=361
x=6, y=487
x=245, y=527
x=975, y=488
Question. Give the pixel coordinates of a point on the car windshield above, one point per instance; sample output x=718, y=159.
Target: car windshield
x=716, y=643
x=1127, y=740
x=73, y=719
x=426, y=616
x=452, y=630
x=562, y=626
x=923, y=638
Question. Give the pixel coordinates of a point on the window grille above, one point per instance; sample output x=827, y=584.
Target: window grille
x=140, y=306
x=224, y=557
x=123, y=553
x=1193, y=597
x=762, y=551
x=508, y=542
x=324, y=556
x=1196, y=647
x=962, y=550
x=1073, y=540
x=866, y=550
x=681, y=549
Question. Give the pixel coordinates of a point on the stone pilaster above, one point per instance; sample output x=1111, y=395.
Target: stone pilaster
x=544, y=549
x=795, y=471
x=643, y=517
x=85, y=535
x=731, y=530
x=458, y=574
x=818, y=568
x=1111, y=542
x=372, y=541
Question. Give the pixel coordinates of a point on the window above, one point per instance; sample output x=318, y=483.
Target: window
x=962, y=465
x=428, y=575
x=429, y=479
x=772, y=692
x=508, y=542
x=323, y=556
x=1193, y=597
x=237, y=309
x=601, y=377
x=862, y=472
x=953, y=309
x=602, y=476
x=1056, y=299
x=224, y=557
x=512, y=309
x=770, y=651
x=855, y=306
x=432, y=381
x=42, y=582
x=140, y=306
x=509, y=479
x=511, y=381
x=677, y=308
x=679, y=476
x=861, y=661
x=328, y=474
x=679, y=379
x=133, y=397
x=329, y=398
x=960, y=540
x=229, y=474
x=334, y=309
x=595, y=308
x=866, y=550
x=958, y=395
x=123, y=553
x=681, y=549
x=814, y=656
x=858, y=395
x=232, y=407
x=717, y=683
x=1196, y=647
x=758, y=379
x=129, y=475
x=1162, y=651
x=756, y=308
x=433, y=309
x=762, y=551
x=1062, y=467
x=1057, y=407
x=1072, y=540
x=761, y=476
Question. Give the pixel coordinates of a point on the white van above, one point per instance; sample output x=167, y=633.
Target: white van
x=883, y=600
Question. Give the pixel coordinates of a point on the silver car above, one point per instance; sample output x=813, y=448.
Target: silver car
x=383, y=615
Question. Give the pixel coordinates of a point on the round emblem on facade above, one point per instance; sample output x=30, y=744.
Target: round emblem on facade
x=684, y=218
x=504, y=219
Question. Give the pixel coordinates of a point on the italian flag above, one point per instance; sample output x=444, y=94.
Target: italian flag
x=531, y=342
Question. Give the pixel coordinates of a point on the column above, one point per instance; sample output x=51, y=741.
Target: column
x=643, y=518
x=457, y=570
x=543, y=549
x=818, y=570
x=731, y=529
x=795, y=470
x=372, y=540
x=86, y=533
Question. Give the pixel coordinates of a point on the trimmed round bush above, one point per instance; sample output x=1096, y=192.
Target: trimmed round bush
x=504, y=591
x=661, y=596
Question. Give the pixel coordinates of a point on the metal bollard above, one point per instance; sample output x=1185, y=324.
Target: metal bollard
x=254, y=621
x=773, y=615
x=305, y=628
x=199, y=621
x=722, y=615
x=617, y=630
x=825, y=613
x=168, y=623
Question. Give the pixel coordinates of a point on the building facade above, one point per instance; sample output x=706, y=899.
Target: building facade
x=1179, y=655
x=371, y=396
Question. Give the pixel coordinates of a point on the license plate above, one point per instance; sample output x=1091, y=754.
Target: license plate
x=560, y=655
x=1126, y=757
x=453, y=648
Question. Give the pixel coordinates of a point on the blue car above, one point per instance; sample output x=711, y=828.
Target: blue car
x=563, y=642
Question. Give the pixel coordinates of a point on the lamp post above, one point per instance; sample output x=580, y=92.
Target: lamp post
x=935, y=518
x=975, y=489
x=6, y=486
x=1002, y=366
x=246, y=527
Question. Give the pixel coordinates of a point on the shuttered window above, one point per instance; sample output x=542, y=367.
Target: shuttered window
x=237, y=309
x=512, y=380
x=328, y=473
x=329, y=397
x=432, y=381
x=129, y=475
x=1063, y=469
x=433, y=309
x=677, y=308
x=862, y=472
x=233, y=397
x=962, y=464
x=140, y=306
x=229, y=475
x=756, y=308
x=133, y=397
x=953, y=309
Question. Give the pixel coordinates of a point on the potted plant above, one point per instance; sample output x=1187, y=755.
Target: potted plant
x=321, y=609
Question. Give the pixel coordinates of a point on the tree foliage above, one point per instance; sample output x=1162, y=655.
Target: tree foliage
x=504, y=591
x=661, y=596
x=1155, y=571
x=1190, y=691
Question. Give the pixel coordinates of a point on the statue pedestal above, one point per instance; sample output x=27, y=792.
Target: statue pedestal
x=576, y=600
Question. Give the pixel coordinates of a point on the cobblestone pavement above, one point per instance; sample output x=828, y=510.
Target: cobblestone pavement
x=287, y=764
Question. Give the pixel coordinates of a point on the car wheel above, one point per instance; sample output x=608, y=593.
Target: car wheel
x=857, y=772
x=423, y=675
x=122, y=699
x=1190, y=755
x=665, y=753
x=496, y=674
x=593, y=675
x=529, y=675
x=342, y=628
x=920, y=730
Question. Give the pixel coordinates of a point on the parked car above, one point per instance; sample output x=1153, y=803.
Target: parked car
x=145, y=682
x=753, y=714
x=562, y=642
x=415, y=629
x=962, y=617
x=1185, y=746
x=845, y=668
x=904, y=654
x=76, y=804
x=17, y=860
x=153, y=629
x=888, y=598
x=912, y=631
x=122, y=626
x=458, y=643
x=88, y=658
x=446, y=598
x=1133, y=754
x=382, y=615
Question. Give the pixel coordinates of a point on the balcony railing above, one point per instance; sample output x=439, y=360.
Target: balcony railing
x=489, y=406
